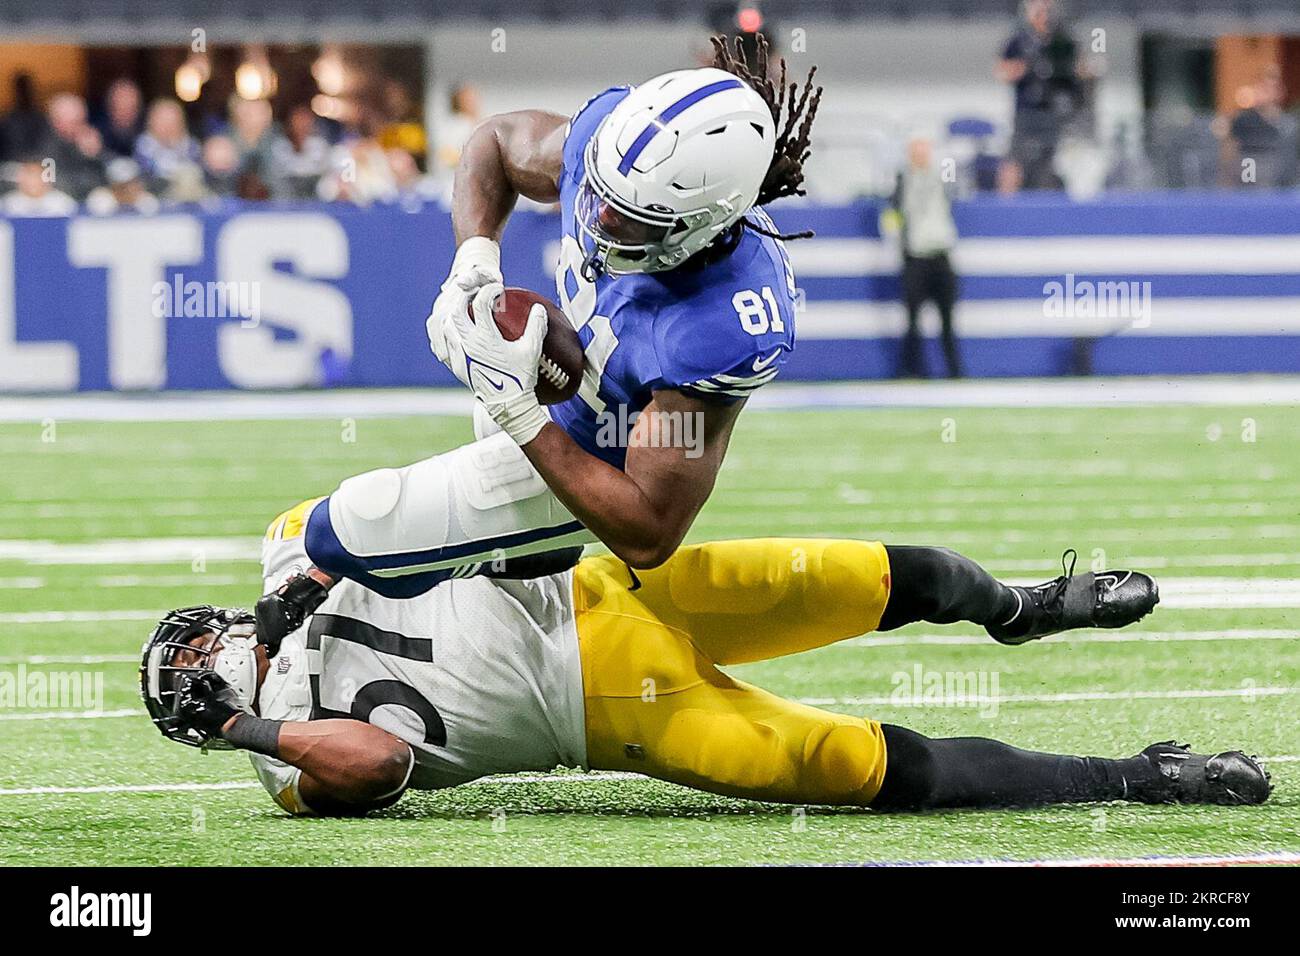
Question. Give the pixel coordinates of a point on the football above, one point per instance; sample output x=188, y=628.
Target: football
x=560, y=370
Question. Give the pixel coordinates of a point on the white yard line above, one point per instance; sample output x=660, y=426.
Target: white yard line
x=71, y=659
x=518, y=778
x=70, y=714
x=867, y=640
x=973, y=700
x=883, y=700
x=1180, y=593
x=1079, y=637
x=78, y=617
x=133, y=550
x=21, y=584
x=132, y=788
x=978, y=393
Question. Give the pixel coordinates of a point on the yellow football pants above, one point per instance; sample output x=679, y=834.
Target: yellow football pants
x=657, y=703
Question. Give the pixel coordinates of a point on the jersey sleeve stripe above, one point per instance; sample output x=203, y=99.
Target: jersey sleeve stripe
x=761, y=378
x=738, y=387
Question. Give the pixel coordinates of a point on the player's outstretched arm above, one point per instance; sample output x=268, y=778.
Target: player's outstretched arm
x=642, y=514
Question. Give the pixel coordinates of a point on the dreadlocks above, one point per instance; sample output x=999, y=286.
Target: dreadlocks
x=785, y=175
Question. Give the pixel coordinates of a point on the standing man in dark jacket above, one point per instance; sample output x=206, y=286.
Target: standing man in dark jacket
x=928, y=236
x=1040, y=63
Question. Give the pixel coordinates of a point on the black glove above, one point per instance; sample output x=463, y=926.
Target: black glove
x=205, y=701
x=283, y=611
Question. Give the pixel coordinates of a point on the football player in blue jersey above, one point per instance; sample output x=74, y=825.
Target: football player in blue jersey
x=683, y=297
x=684, y=300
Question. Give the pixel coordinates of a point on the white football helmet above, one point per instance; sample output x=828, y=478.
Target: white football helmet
x=678, y=161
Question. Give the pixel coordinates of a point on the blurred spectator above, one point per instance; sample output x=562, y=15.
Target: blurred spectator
x=414, y=188
x=301, y=155
x=74, y=145
x=123, y=118
x=125, y=191
x=1040, y=62
x=360, y=170
x=220, y=166
x=1263, y=135
x=165, y=147
x=36, y=195
x=928, y=236
x=252, y=130
x=23, y=129
x=454, y=129
x=405, y=128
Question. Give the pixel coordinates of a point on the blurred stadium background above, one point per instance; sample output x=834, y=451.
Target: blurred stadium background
x=252, y=196
x=302, y=151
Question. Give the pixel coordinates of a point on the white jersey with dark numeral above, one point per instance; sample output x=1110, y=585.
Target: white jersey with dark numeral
x=479, y=676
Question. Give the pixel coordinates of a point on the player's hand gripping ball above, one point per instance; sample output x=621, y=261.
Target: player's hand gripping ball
x=559, y=371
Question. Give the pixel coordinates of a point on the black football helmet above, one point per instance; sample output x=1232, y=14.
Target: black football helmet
x=172, y=651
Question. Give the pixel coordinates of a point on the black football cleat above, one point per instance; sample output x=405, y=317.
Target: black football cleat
x=1095, y=599
x=283, y=611
x=1229, y=779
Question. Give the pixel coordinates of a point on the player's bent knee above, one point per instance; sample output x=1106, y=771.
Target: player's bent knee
x=368, y=497
x=845, y=765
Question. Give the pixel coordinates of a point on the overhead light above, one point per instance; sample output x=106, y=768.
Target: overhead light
x=189, y=82
x=254, y=79
x=329, y=72
x=249, y=83
x=749, y=19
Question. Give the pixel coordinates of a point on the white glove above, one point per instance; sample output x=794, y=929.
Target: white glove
x=477, y=263
x=503, y=375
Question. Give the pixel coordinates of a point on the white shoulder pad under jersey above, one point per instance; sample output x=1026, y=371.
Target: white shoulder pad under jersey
x=478, y=676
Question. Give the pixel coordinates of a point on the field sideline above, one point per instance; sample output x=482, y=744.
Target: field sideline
x=106, y=523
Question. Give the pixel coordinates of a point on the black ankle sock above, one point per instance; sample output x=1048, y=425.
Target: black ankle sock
x=942, y=586
x=924, y=773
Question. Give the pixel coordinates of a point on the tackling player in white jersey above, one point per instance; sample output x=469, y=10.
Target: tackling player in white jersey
x=608, y=668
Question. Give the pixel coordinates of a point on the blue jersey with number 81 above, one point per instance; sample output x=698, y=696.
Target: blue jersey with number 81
x=719, y=332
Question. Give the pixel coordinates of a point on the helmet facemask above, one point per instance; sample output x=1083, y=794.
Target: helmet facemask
x=627, y=239
x=190, y=641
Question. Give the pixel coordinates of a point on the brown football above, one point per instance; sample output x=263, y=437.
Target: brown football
x=560, y=371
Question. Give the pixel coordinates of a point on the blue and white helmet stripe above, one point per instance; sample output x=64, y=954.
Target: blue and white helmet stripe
x=660, y=122
x=686, y=151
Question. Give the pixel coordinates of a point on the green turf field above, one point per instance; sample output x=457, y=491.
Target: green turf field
x=1174, y=490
